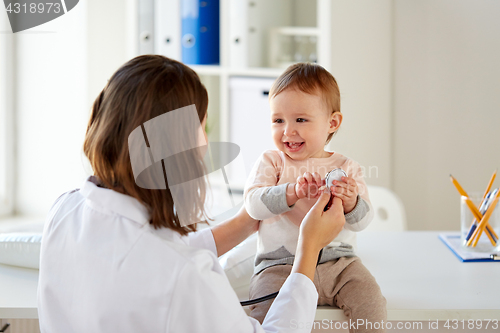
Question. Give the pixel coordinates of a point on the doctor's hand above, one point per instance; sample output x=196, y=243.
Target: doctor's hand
x=318, y=228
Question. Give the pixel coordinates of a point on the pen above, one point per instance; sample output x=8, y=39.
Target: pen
x=477, y=214
x=485, y=197
x=489, y=230
x=484, y=206
x=479, y=228
x=477, y=234
x=474, y=222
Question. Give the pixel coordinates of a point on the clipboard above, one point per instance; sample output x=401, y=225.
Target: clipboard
x=452, y=241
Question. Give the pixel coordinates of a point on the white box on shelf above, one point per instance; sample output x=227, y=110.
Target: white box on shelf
x=289, y=45
x=249, y=24
x=249, y=120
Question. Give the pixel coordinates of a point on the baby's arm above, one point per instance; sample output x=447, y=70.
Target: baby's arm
x=263, y=198
x=353, y=191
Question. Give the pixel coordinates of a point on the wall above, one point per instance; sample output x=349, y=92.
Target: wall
x=51, y=110
x=361, y=63
x=61, y=67
x=6, y=114
x=418, y=79
x=108, y=44
x=446, y=104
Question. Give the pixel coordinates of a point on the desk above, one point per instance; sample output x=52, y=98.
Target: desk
x=419, y=276
x=18, y=287
x=423, y=280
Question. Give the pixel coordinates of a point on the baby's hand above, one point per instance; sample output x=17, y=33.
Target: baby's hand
x=347, y=190
x=308, y=185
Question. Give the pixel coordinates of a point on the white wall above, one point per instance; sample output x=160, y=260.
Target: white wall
x=6, y=128
x=362, y=65
x=52, y=109
x=447, y=104
x=61, y=67
x=109, y=39
x=418, y=80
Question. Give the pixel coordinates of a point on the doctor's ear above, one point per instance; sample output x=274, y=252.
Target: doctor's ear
x=335, y=122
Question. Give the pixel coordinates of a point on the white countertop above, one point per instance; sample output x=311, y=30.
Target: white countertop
x=419, y=276
x=18, y=287
x=423, y=280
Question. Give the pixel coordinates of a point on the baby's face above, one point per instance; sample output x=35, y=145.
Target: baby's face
x=301, y=123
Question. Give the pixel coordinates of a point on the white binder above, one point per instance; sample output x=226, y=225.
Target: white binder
x=146, y=26
x=238, y=32
x=168, y=28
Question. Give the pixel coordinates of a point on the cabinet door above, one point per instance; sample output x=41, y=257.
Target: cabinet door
x=20, y=325
x=250, y=119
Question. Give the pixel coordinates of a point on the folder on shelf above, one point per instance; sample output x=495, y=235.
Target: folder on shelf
x=145, y=26
x=168, y=28
x=453, y=242
x=200, y=32
x=238, y=31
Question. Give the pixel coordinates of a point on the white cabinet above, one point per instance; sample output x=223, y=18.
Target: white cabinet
x=249, y=119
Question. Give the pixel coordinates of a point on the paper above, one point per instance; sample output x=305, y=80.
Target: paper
x=454, y=243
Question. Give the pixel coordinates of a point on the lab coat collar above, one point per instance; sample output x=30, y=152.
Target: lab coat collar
x=120, y=204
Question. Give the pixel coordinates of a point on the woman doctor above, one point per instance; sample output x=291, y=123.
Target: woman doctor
x=121, y=254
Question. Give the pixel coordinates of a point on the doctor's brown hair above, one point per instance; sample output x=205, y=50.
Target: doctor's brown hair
x=143, y=88
x=311, y=79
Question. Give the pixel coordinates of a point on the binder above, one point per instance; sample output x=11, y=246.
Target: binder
x=453, y=242
x=238, y=33
x=146, y=26
x=168, y=28
x=200, y=32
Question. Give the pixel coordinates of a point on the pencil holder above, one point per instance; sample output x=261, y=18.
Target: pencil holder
x=488, y=239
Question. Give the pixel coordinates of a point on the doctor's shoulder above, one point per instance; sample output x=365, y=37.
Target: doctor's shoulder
x=196, y=260
x=63, y=204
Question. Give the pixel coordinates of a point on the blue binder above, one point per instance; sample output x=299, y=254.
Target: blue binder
x=200, y=32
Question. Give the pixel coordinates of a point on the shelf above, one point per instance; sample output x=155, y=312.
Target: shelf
x=250, y=71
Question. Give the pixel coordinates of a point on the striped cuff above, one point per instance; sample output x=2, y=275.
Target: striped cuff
x=359, y=211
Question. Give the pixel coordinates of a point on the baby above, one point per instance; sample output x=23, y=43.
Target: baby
x=284, y=184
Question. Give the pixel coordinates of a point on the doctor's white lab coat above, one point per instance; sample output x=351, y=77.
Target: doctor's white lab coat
x=103, y=268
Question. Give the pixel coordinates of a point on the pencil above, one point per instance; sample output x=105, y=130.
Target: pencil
x=479, y=217
x=459, y=187
x=488, y=188
x=483, y=222
x=477, y=233
x=477, y=214
x=475, y=228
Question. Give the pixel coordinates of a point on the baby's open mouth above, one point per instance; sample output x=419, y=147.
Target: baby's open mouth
x=294, y=145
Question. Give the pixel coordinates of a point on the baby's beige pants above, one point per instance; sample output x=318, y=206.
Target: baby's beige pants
x=344, y=283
